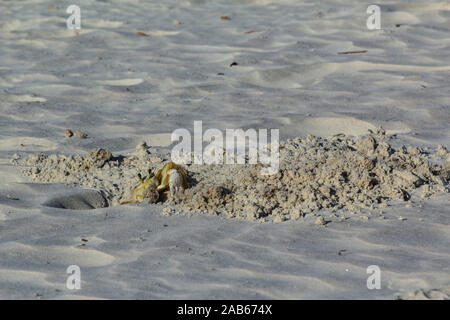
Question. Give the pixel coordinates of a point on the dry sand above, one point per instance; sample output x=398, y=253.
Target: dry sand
x=132, y=74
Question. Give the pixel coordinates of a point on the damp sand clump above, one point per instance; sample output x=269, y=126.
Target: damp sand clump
x=336, y=173
x=317, y=173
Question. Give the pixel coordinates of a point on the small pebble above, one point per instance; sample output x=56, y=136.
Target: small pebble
x=69, y=133
x=320, y=221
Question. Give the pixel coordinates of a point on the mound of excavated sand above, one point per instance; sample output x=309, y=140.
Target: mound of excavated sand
x=315, y=173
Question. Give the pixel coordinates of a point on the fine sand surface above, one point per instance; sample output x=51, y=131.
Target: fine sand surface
x=136, y=71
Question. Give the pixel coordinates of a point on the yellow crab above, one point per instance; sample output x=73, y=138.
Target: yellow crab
x=170, y=176
x=147, y=188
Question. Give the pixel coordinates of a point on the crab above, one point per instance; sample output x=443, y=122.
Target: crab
x=146, y=188
x=170, y=176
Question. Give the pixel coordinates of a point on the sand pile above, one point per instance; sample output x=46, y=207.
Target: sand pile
x=315, y=173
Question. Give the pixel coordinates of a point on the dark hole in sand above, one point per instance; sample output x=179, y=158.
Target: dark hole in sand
x=81, y=200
